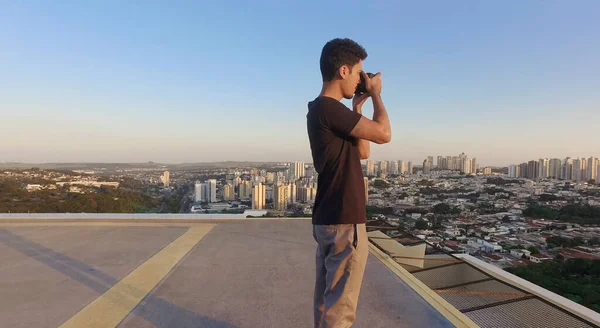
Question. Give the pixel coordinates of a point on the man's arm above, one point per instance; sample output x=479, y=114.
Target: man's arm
x=377, y=130
x=364, y=146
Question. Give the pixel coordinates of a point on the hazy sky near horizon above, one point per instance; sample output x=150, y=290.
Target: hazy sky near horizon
x=184, y=81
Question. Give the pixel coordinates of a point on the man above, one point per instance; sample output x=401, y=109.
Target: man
x=339, y=139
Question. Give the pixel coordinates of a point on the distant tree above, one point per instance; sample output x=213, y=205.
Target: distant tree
x=533, y=249
x=421, y=225
x=401, y=226
x=403, y=195
x=548, y=197
x=425, y=182
x=576, y=279
x=441, y=208
x=380, y=184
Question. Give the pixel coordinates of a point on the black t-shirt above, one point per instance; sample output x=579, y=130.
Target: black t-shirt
x=340, y=191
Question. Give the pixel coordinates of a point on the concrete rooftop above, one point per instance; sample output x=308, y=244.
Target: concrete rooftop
x=165, y=273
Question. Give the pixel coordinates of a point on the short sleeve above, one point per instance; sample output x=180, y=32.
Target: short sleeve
x=340, y=119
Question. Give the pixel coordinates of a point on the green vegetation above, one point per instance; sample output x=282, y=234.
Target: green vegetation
x=416, y=210
x=403, y=195
x=128, y=198
x=15, y=199
x=380, y=184
x=533, y=249
x=442, y=208
x=495, y=190
x=575, y=213
x=372, y=210
x=502, y=181
x=575, y=279
x=549, y=197
x=557, y=241
x=425, y=182
x=421, y=224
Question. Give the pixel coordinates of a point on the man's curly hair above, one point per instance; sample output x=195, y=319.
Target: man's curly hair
x=339, y=52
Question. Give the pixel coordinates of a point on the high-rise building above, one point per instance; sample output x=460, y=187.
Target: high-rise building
x=450, y=163
x=228, y=192
x=543, y=168
x=402, y=167
x=532, y=169
x=410, y=169
x=467, y=164
x=523, y=170
x=486, y=170
x=307, y=194
x=394, y=168
x=430, y=159
x=366, y=189
x=280, y=197
x=426, y=166
x=567, y=170
x=370, y=168
x=592, y=168
x=245, y=189
x=198, y=191
x=212, y=191
x=165, y=178
x=311, y=171
x=383, y=167
x=579, y=169
x=554, y=168
x=292, y=190
x=203, y=189
x=270, y=177
x=258, y=197
x=297, y=171
x=440, y=162
x=513, y=171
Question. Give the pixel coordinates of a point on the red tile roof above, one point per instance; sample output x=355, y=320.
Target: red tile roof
x=573, y=253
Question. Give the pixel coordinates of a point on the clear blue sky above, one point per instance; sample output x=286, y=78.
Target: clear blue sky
x=136, y=81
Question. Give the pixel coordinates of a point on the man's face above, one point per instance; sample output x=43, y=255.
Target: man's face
x=350, y=79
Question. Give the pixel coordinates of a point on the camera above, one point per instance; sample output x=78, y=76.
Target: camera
x=362, y=86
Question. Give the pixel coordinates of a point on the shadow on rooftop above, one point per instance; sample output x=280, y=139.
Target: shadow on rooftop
x=157, y=311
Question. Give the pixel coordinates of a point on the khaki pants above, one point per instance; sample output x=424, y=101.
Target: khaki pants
x=342, y=252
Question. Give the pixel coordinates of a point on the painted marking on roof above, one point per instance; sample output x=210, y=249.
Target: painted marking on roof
x=114, y=305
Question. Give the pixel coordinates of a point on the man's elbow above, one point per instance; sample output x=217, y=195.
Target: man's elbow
x=384, y=138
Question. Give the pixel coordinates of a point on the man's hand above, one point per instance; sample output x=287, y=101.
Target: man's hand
x=358, y=101
x=374, y=84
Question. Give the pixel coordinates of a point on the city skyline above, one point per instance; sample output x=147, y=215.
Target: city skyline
x=212, y=83
x=417, y=162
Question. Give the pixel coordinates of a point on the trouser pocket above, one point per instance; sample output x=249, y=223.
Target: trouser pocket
x=355, y=241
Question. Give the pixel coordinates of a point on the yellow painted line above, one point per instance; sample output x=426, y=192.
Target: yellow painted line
x=110, y=308
x=446, y=309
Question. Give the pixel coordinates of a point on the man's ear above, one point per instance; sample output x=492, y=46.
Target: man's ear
x=344, y=72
